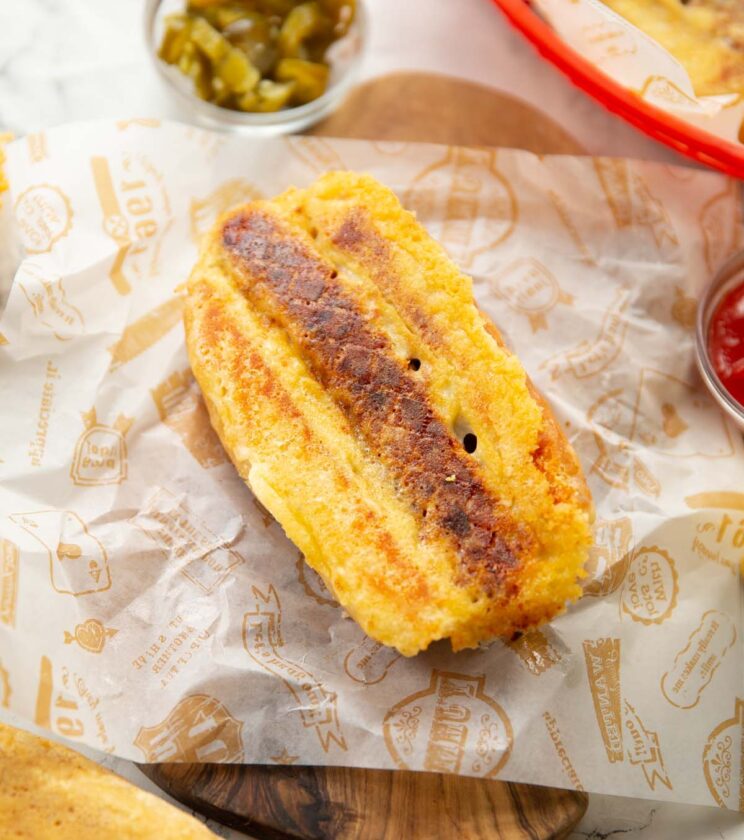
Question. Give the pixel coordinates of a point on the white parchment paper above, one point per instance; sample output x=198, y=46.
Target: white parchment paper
x=150, y=608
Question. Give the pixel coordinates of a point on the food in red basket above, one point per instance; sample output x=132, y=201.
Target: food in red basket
x=706, y=36
x=726, y=342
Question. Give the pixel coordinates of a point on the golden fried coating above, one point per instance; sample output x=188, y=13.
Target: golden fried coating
x=376, y=413
x=50, y=792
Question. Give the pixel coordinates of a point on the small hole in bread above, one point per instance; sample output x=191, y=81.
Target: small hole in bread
x=334, y=274
x=470, y=442
x=414, y=364
x=314, y=232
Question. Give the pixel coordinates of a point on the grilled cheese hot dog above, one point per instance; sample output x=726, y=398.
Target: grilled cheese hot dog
x=376, y=413
x=50, y=792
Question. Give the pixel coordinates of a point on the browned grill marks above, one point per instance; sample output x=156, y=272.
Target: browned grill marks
x=357, y=237
x=246, y=358
x=382, y=400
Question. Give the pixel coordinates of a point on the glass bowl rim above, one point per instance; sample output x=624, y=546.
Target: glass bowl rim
x=729, y=276
x=290, y=118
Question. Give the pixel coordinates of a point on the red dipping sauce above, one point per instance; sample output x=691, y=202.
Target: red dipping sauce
x=726, y=342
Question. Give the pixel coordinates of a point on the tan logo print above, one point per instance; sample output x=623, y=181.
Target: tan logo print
x=5, y=690
x=49, y=304
x=726, y=532
x=721, y=224
x=204, y=212
x=538, y=650
x=91, y=635
x=284, y=757
x=206, y=560
x=393, y=148
x=561, y=208
x=723, y=761
x=262, y=638
x=313, y=584
x=664, y=92
x=475, y=202
x=58, y=709
x=37, y=146
x=555, y=736
x=44, y=215
x=609, y=557
x=142, y=122
x=609, y=39
x=136, y=215
x=674, y=418
x=665, y=414
x=78, y=562
x=684, y=309
x=530, y=289
x=695, y=665
x=369, y=662
x=644, y=749
x=631, y=202
x=9, y=558
x=589, y=358
x=147, y=330
x=454, y=723
x=198, y=729
x=602, y=658
x=715, y=538
x=43, y=711
x=649, y=593
x=181, y=407
x=716, y=499
x=101, y=452
x=315, y=153
x=616, y=463
x=44, y=418
x=619, y=724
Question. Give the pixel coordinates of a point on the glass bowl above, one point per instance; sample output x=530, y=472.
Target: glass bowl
x=344, y=58
x=728, y=277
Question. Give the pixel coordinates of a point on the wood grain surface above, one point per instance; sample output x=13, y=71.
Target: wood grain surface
x=340, y=803
x=352, y=804
x=427, y=108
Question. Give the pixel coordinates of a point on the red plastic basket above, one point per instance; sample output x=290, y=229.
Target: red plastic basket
x=680, y=135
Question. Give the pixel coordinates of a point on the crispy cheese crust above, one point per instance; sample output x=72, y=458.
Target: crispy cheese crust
x=349, y=374
x=50, y=792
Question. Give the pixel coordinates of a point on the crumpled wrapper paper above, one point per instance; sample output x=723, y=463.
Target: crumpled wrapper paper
x=151, y=608
x=638, y=62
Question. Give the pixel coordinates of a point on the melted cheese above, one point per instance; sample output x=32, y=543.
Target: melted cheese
x=705, y=36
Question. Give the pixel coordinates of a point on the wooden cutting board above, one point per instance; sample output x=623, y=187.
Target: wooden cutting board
x=351, y=804
x=341, y=803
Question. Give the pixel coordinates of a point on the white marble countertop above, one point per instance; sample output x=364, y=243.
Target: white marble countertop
x=64, y=60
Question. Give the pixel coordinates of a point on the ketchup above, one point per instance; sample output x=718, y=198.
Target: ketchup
x=726, y=342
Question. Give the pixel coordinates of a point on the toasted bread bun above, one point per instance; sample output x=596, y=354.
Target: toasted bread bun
x=349, y=375
x=50, y=792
